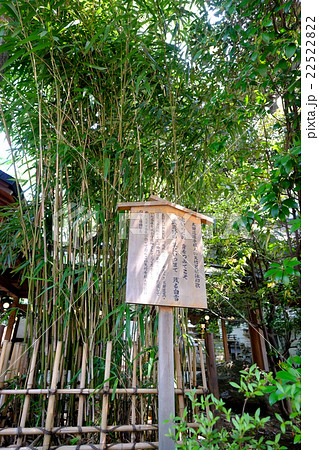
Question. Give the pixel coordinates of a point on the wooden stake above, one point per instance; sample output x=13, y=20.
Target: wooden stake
x=194, y=368
x=179, y=381
x=105, y=403
x=27, y=399
x=166, y=398
x=190, y=368
x=211, y=365
x=225, y=343
x=52, y=398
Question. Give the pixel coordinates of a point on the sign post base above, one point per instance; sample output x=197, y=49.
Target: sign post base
x=166, y=393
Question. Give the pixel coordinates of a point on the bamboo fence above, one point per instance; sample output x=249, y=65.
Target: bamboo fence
x=79, y=416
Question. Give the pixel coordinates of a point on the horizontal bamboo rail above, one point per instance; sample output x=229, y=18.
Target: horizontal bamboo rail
x=138, y=445
x=18, y=431
x=90, y=391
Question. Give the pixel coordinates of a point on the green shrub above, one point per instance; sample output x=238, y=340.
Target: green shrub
x=223, y=429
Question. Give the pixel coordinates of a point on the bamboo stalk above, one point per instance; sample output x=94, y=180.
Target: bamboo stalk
x=190, y=367
x=202, y=368
x=4, y=367
x=2, y=359
x=22, y=360
x=27, y=399
x=52, y=398
x=13, y=358
x=105, y=403
x=179, y=380
x=82, y=384
x=16, y=361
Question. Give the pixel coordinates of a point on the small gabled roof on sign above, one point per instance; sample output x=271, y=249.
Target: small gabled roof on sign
x=157, y=201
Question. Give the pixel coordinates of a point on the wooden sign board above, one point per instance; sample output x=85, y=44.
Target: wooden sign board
x=165, y=258
x=165, y=268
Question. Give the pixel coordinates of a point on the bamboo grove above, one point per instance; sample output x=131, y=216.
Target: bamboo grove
x=110, y=101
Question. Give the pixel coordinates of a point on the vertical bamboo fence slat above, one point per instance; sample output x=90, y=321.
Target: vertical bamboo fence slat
x=4, y=367
x=82, y=384
x=52, y=398
x=105, y=403
x=2, y=361
x=13, y=358
x=17, y=361
x=26, y=404
x=24, y=360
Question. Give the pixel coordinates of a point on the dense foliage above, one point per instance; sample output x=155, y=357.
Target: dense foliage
x=195, y=101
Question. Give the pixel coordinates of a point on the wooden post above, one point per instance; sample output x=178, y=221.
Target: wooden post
x=211, y=365
x=165, y=268
x=141, y=398
x=225, y=343
x=134, y=386
x=264, y=351
x=255, y=341
x=166, y=397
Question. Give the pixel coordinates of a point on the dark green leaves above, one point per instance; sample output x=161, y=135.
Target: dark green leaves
x=290, y=50
x=282, y=273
